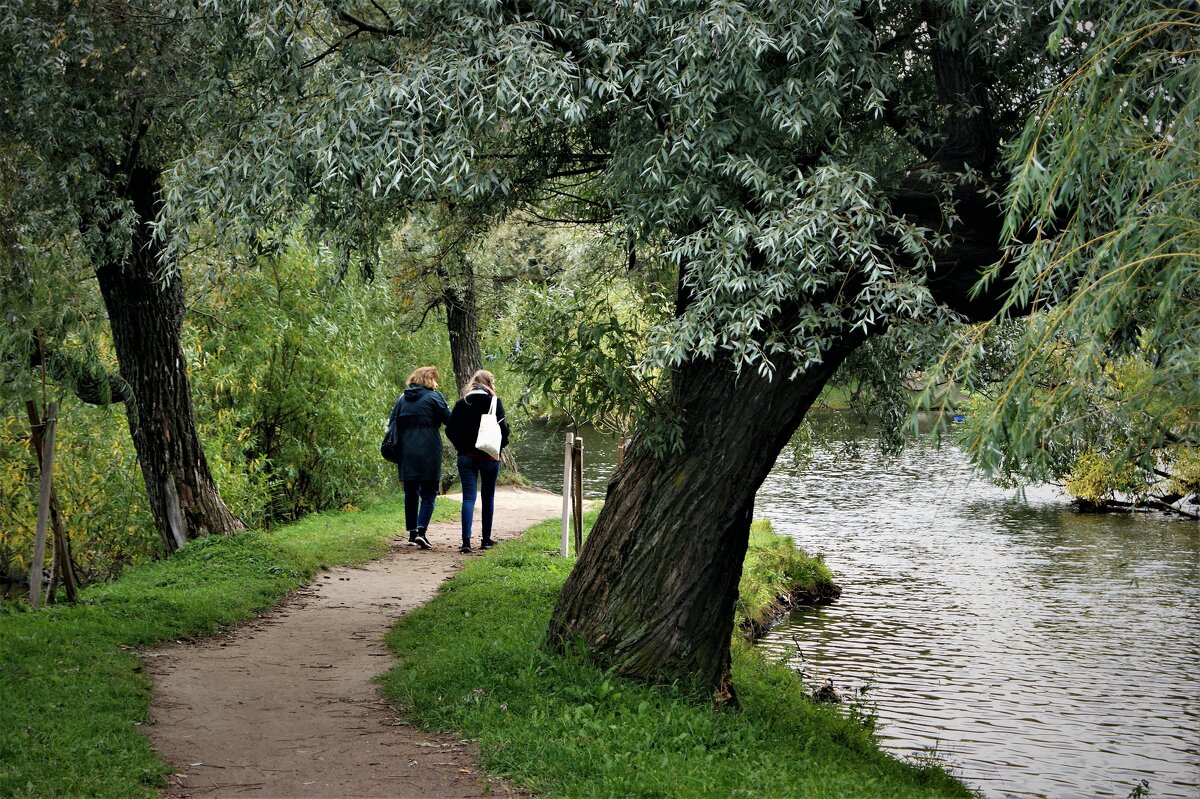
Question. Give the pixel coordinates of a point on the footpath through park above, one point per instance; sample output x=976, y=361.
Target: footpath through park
x=286, y=705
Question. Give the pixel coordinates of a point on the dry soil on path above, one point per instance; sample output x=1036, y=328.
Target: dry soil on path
x=286, y=705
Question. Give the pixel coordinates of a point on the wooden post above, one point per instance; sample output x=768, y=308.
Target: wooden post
x=43, y=516
x=568, y=462
x=578, y=495
x=64, y=566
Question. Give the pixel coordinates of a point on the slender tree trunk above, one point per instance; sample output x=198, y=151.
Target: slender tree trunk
x=145, y=311
x=64, y=566
x=652, y=595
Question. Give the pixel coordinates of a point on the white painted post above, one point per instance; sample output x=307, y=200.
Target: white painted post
x=566, y=513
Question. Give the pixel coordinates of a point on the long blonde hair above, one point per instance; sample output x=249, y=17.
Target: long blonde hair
x=482, y=377
x=427, y=376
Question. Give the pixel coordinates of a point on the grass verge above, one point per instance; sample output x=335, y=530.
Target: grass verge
x=775, y=577
x=471, y=662
x=73, y=688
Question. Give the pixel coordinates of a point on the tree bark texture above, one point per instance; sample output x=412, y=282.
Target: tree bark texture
x=145, y=310
x=652, y=595
x=462, y=320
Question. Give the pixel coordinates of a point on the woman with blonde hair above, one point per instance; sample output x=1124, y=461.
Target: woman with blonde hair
x=419, y=413
x=477, y=470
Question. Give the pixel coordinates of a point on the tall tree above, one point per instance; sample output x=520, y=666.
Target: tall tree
x=816, y=171
x=91, y=90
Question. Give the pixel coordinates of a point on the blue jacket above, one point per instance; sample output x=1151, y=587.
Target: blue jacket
x=419, y=412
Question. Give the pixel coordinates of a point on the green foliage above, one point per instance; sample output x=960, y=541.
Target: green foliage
x=74, y=693
x=754, y=145
x=99, y=488
x=294, y=374
x=1106, y=199
x=581, y=341
x=1095, y=478
x=472, y=663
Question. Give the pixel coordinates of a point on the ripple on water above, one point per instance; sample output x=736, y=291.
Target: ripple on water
x=1043, y=653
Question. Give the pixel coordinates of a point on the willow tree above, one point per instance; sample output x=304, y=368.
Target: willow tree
x=1102, y=387
x=88, y=94
x=815, y=171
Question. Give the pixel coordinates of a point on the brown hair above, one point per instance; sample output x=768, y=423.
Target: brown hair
x=481, y=378
x=425, y=376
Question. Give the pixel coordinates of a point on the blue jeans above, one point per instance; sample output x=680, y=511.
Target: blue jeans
x=419, y=496
x=479, y=475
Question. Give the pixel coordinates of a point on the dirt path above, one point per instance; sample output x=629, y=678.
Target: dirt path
x=285, y=706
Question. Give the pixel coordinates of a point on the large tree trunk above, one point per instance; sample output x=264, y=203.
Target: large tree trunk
x=653, y=593
x=145, y=311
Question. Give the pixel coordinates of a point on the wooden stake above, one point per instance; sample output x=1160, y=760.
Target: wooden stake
x=47, y=485
x=568, y=462
x=578, y=495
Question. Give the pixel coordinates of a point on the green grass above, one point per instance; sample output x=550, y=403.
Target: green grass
x=73, y=691
x=774, y=569
x=472, y=662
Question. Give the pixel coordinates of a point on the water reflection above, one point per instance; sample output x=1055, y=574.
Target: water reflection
x=1041, y=652
x=539, y=448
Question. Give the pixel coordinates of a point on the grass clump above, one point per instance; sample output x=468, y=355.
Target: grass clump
x=74, y=691
x=777, y=576
x=472, y=662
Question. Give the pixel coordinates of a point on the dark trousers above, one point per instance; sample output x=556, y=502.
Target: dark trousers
x=419, y=496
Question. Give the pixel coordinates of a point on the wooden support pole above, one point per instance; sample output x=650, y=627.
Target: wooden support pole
x=568, y=462
x=578, y=495
x=64, y=565
x=43, y=516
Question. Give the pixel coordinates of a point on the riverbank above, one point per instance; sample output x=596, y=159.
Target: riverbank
x=471, y=662
x=777, y=578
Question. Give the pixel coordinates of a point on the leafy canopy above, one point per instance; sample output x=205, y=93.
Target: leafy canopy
x=755, y=143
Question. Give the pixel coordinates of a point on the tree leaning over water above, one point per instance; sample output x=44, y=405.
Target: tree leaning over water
x=817, y=172
x=89, y=93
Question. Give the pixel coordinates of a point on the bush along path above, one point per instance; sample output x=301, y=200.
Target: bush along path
x=287, y=706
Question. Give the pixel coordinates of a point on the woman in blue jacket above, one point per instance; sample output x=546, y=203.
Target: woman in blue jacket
x=476, y=469
x=420, y=412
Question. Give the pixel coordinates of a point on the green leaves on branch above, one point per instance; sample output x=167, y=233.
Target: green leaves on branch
x=1106, y=195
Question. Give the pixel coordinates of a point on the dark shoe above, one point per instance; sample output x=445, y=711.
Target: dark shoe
x=422, y=541
x=487, y=544
x=412, y=538
x=466, y=549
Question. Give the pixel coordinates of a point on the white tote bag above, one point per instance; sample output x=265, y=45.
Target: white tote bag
x=489, y=436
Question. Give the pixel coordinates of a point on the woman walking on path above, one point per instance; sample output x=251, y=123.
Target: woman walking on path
x=476, y=469
x=419, y=413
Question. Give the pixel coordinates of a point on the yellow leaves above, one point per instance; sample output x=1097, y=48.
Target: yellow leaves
x=1095, y=478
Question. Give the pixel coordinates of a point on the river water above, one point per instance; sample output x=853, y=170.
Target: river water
x=1037, y=651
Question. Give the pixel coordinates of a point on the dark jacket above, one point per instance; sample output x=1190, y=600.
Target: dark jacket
x=463, y=427
x=419, y=412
